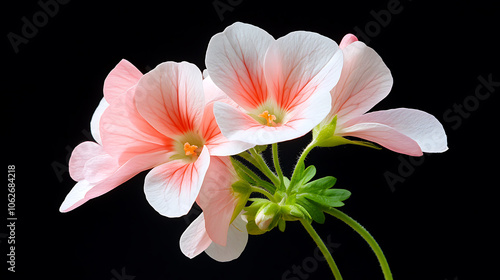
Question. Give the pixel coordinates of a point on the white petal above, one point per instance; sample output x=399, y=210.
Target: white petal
x=299, y=65
x=237, y=239
x=420, y=126
x=195, y=239
x=172, y=188
x=96, y=118
x=235, y=61
x=365, y=81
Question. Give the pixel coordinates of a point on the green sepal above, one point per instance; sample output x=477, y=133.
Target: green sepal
x=322, y=132
x=324, y=136
x=267, y=216
x=260, y=148
x=242, y=191
x=281, y=225
x=293, y=212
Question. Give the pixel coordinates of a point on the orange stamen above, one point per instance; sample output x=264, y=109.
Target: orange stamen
x=269, y=118
x=190, y=149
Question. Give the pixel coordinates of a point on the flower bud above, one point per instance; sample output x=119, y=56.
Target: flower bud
x=267, y=217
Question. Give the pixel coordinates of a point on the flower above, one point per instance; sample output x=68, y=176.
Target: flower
x=220, y=230
x=365, y=81
x=281, y=86
x=163, y=121
x=96, y=171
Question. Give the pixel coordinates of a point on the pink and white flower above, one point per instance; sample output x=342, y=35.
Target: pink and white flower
x=365, y=81
x=162, y=121
x=281, y=86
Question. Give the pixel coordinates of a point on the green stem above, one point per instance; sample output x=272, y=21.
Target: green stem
x=368, y=238
x=323, y=248
x=264, y=192
x=262, y=166
x=277, y=166
x=252, y=177
x=248, y=157
x=300, y=162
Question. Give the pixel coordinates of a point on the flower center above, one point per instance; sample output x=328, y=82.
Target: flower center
x=268, y=117
x=190, y=149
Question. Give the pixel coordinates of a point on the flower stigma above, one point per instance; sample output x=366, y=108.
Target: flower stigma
x=269, y=118
x=190, y=149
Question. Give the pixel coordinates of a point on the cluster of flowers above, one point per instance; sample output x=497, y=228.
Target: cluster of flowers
x=184, y=125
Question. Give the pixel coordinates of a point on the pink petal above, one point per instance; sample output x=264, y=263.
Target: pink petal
x=172, y=188
x=120, y=79
x=85, y=190
x=364, y=82
x=217, y=144
x=299, y=65
x=126, y=134
x=237, y=239
x=195, y=239
x=385, y=136
x=79, y=157
x=170, y=97
x=235, y=61
x=217, y=198
x=96, y=120
x=100, y=167
x=418, y=125
x=347, y=40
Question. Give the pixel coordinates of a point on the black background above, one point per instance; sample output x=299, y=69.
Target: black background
x=438, y=223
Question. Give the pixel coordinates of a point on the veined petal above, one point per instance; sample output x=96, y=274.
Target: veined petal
x=235, y=60
x=236, y=125
x=237, y=238
x=96, y=120
x=218, y=144
x=195, y=239
x=217, y=199
x=172, y=187
x=170, y=97
x=420, y=126
x=299, y=65
x=84, y=190
x=126, y=134
x=120, y=79
x=365, y=81
x=383, y=135
x=100, y=167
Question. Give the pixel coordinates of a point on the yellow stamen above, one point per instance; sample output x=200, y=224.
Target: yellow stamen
x=269, y=118
x=190, y=149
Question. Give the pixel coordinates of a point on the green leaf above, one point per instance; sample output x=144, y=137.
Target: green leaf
x=318, y=185
x=325, y=201
x=312, y=210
